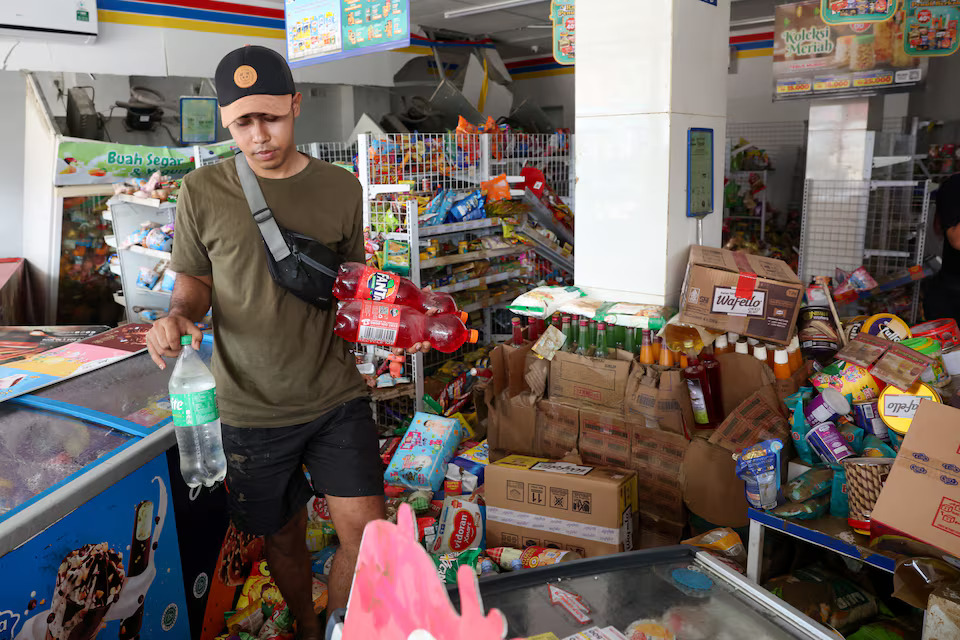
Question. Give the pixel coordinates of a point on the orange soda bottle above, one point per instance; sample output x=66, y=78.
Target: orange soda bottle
x=646, y=348
x=781, y=364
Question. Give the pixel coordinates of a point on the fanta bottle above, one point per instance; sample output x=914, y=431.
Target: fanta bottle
x=392, y=325
x=357, y=281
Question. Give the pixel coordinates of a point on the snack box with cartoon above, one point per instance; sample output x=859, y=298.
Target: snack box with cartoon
x=420, y=461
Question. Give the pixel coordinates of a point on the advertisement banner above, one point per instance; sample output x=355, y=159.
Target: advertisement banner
x=932, y=27
x=812, y=58
x=111, y=569
x=98, y=162
x=323, y=30
x=854, y=11
x=564, y=31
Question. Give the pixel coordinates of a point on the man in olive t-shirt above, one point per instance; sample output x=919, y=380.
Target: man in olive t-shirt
x=288, y=389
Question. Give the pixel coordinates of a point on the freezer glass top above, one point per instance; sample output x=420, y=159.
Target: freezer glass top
x=133, y=389
x=681, y=596
x=39, y=449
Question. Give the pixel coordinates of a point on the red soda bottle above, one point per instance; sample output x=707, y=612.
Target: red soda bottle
x=392, y=325
x=357, y=281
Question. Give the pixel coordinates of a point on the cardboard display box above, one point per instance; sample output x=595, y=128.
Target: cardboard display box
x=655, y=531
x=711, y=488
x=659, y=398
x=605, y=437
x=580, y=379
x=657, y=457
x=921, y=497
x=558, y=428
x=734, y=291
x=537, y=502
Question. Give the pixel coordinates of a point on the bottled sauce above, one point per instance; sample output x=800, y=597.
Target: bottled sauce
x=781, y=365
x=684, y=362
x=753, y=342
x=742, y=346
x=533, y=329
x=517, y=331
x=675, y=336
x=794, y=355
x=357, y=281
x=570, y=343
x=721, y=346
x=760, y=353
x=629, y=344
x=712, y=365
x=666, y=357
x=583, y=340
x=657, y=343
x=770, y=350
x=695, y=375
x=646, y=348
x=196, y=419
x=390, y=325
x=732, y=337
x=601, y=350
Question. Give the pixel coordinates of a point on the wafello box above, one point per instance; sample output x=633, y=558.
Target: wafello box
x=420, y=461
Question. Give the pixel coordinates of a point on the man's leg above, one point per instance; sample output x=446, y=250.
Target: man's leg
x=350, y=516
x=289, y=564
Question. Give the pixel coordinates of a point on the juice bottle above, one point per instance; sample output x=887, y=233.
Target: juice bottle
x=721, y=345
x=517, y=331
x=794, y=355
x=533, y=329
x=781, y=365
x=601, y=350
x=675, y=335
x=697, y=382
x=742, y=346
x=556, y=321
x=657, y=343
x=593, y=333
x=666, y=357
x=628, y=342
x=570, y=343
x=770, y=351
x=646, y=348
x=541, y=326
x=712, y=365
x=357, y=281
x=760, y=353
x=390, y=325
x=583, y=341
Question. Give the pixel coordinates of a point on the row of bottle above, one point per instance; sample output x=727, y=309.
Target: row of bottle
x=784, y=361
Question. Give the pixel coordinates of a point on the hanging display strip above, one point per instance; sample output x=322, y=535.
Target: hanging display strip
x=564, y=31
x=931, y=27
x=812, y=57
x=857, y=11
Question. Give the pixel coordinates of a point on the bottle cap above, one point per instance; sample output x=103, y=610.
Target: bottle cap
x=583, y=322
x=515, y=320
x=742, y=347
x=721, y=342
x=463, y=316
x=753, y=342
x=780, y=357
x=732, y=337
x=602, y=325
x=794, y=343
x=186, y=340
x=760, y=352
x=474, y=336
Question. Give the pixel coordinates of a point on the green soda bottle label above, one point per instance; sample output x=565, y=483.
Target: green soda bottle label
x=194, y=409
x=699, y=402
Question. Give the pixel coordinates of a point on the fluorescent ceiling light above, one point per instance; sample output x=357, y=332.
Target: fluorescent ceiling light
x=487, y=8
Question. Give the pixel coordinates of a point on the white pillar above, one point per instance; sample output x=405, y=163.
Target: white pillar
x=646, y=73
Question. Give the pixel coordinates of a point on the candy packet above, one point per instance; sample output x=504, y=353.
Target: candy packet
x=759, y=467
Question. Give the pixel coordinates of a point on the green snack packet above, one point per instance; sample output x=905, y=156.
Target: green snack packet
x=874, y=447
x=448, y=563
x=809, y=510
x=839, y=507
x=798, y=430
x=853, y=435
x=811, y=484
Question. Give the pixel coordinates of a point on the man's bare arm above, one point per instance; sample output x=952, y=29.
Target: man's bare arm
x=188, y=305
x=953, y=236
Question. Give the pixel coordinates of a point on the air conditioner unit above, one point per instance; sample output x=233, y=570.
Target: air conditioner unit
x=62, y=20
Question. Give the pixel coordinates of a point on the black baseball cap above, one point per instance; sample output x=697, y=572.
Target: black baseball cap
x=253, y=79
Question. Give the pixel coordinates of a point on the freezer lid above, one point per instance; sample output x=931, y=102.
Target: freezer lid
x=673, y=587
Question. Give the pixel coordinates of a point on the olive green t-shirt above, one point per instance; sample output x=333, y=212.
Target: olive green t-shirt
x=276, y=359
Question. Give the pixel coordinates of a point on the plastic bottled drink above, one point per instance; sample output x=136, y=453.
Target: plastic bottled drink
x=721, y=345
x=533, y=329
x=196, y=419
x=646, y=348
x=357, y=281
x=699, y=385
x=517, y=331
x=391, y=325
x=781, y=364
x=742, y=346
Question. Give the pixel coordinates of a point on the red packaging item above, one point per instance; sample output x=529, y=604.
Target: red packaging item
x=390, y=325
x=356, y=281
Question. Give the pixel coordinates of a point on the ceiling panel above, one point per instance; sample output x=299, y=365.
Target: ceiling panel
x=504, y=26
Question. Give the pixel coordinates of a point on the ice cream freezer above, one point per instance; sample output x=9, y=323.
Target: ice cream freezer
x=668, y=593
x=93, y=512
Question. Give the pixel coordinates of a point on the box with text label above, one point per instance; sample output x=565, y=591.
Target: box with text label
x=733, y=291
x=594, y=381
x=539, y=502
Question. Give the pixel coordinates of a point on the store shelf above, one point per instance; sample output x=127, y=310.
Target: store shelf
x=115, y=268
x=476, y=282
x=152, y=253
x=548, y=249
x=493, y=301
x=120, y=299
x=111, y=241
x=473, y=255
x=830, y=533
x=532, y=159
x=147, y=202
x=458, y=227
x=106, y=215
x=406, y=390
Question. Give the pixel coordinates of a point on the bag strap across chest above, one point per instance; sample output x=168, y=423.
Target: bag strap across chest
x=262, y=214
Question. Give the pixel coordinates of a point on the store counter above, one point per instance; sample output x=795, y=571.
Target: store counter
x=90, y=485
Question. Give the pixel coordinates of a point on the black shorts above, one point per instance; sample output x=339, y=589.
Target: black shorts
x=265, y=482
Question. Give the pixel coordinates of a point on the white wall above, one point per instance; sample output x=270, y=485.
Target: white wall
x=12, y=100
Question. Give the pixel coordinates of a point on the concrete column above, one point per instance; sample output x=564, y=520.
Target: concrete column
x=646, y=73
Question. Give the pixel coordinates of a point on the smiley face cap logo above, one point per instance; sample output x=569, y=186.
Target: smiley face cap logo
x=245, y=76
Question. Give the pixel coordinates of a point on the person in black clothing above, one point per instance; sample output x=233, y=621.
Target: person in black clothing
x=941, y=293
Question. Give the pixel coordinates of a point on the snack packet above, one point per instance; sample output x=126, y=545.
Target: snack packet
x=461, y=526
x=448, y=563
x=249, y=619
x=280, y=621
x=811, y=484
x=543, y=302
x=759, y=467
x=724, y=541
x=874, y=447
x=853, y=435
x=839, y=506
x=510, y=559
x=808, y=510
x=396, y=257
x=799, y=427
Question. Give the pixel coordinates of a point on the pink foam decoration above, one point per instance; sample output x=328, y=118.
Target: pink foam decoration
x=396, y=591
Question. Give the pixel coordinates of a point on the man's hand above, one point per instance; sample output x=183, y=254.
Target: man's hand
x=420, y=347
x=163, y=340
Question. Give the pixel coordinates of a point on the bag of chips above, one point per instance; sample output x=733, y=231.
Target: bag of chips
x=448, y=563
x=826, y=597
x=839, y=506
x=809, y=510
x=811, y=484
x=543, y=302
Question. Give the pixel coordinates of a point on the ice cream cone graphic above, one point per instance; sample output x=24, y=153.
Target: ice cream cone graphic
x=89, y=581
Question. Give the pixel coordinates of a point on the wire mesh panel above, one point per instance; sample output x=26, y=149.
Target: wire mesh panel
x=333, y=152
x=551, y=153
x=834, y=226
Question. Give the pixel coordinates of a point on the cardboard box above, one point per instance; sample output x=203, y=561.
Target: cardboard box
x=605, y=437
x=511, y=424
x=921, y=497
x=711, y=488
x=740, y=377
x=589, y=380
x=757, y=418
x=734, y=291
x=657, y=457
x=558, y=428
x=660, y=398
x=655, y=531
x=536, y=502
